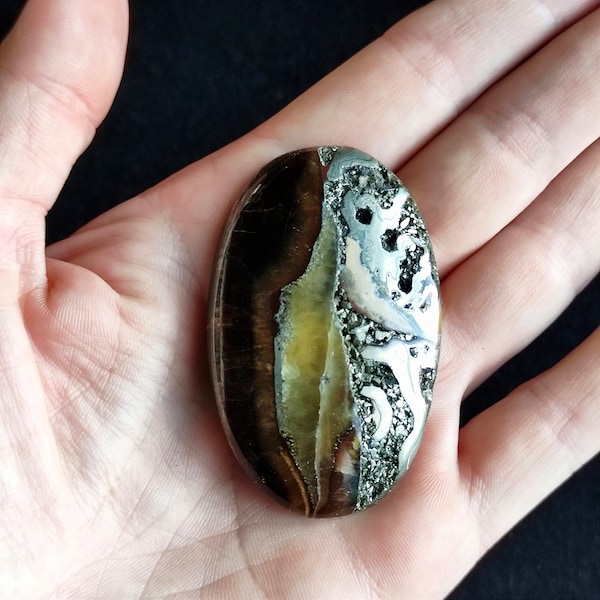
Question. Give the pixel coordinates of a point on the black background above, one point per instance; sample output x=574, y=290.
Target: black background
x=200, y=74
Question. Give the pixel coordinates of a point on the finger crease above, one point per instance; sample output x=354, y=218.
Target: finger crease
x=445, y=78
x=522, y=137
x=71, y=100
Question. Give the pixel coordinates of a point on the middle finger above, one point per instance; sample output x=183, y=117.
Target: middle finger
x=496, y=158
x=507, y=293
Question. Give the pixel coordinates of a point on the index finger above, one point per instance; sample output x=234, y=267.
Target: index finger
x=388, y=100
x=406, y=86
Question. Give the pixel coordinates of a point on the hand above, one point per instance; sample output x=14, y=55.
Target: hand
x=115, y=478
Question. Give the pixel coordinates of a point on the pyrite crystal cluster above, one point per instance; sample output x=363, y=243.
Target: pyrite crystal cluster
x=325, y=329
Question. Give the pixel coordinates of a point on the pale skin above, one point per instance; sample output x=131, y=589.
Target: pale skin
x=116, y=480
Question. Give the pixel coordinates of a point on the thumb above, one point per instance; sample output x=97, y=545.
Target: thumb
x=60, y=67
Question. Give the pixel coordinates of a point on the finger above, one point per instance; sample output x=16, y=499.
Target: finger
x=403, y=88
x=388, y=100
x=506, y=294
x=501, y=153
x=519, y=450
x=59, y=70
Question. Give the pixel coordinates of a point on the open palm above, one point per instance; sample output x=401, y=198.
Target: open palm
x=115, y=476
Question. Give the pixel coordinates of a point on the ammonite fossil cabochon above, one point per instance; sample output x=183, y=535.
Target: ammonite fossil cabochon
x=325, y=329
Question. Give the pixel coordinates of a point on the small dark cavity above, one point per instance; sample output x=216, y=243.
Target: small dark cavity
x=389, y=240
x=364, y=215
x=405, y=282
x=409, y=268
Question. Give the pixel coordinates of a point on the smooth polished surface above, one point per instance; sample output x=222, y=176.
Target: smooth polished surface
x=325, y=329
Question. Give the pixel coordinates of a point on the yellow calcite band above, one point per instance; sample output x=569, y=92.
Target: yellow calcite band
x=313, y=399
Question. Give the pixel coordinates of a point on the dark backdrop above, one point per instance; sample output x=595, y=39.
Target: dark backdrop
x=200, y=74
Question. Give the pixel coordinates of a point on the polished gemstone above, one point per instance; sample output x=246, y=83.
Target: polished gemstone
x=324, y=333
